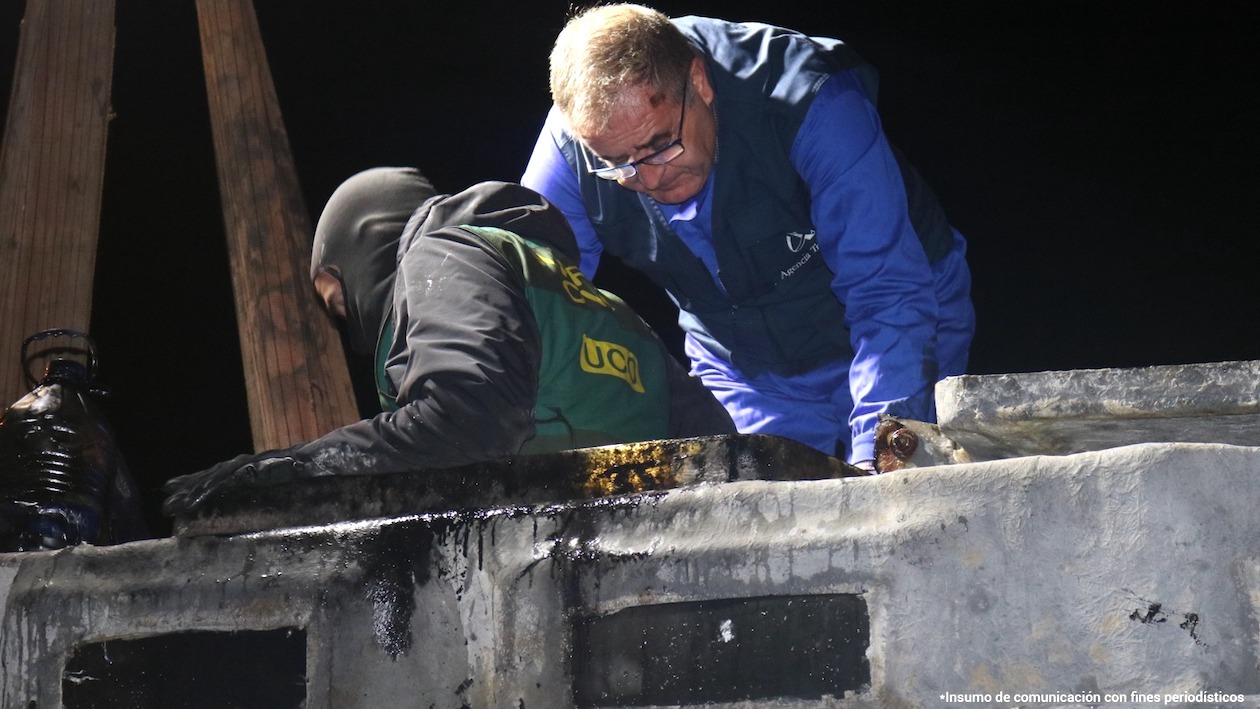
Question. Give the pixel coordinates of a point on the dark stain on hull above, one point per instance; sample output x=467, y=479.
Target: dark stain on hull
x=395, y=562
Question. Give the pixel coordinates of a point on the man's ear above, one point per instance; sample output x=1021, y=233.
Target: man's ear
x=331, y=291
x=700, y=81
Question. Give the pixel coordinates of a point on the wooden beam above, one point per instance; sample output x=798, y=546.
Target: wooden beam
x=52, y=165
x=295, y=370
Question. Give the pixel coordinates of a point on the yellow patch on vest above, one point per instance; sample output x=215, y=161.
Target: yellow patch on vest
x=579, y=289
x=599, y=357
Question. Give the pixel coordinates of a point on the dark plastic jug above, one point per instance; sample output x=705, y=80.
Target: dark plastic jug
x=63, y=480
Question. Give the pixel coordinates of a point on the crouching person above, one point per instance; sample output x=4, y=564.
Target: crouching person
x=488, y=341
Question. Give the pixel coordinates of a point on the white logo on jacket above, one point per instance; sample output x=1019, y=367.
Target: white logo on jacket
x=796, y=243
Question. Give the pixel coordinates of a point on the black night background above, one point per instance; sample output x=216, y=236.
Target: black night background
x=1100, y=157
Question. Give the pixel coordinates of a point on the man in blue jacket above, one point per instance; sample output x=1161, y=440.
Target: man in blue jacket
x=742, y=167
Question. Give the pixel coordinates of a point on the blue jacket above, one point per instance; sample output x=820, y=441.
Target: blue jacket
x=812, y=243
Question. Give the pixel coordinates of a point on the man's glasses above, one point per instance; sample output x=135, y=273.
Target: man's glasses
x=671, y=151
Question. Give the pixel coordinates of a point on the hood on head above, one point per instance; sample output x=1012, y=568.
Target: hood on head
x=356, y=240
x=505, y=205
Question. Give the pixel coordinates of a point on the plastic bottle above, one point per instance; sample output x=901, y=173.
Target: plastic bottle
x=62, y=479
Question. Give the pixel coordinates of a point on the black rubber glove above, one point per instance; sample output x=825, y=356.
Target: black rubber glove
x=250, y=470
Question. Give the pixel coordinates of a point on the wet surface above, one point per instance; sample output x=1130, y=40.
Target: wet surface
x=584, y=474
x=395, y=562
x=765, y=593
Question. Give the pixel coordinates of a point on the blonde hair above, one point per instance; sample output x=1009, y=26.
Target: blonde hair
x=607, y=48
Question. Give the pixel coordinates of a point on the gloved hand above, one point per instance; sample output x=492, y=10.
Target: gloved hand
x=249, y=470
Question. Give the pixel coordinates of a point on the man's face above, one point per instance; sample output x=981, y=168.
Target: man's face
x=644, y=123
x=330, y=291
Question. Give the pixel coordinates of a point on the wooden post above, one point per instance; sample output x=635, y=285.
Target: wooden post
x=295, y=370
x=52, y=166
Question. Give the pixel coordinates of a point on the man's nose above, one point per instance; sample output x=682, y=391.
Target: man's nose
x=650, y=175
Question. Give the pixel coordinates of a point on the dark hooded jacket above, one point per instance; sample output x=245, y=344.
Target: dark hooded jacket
x=489, y=341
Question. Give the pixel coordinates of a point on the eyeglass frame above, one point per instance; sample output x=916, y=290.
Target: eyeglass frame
x=626, y=170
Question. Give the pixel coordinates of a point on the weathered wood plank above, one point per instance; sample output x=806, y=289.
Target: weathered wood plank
x=52, y=165
x=296, y=378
